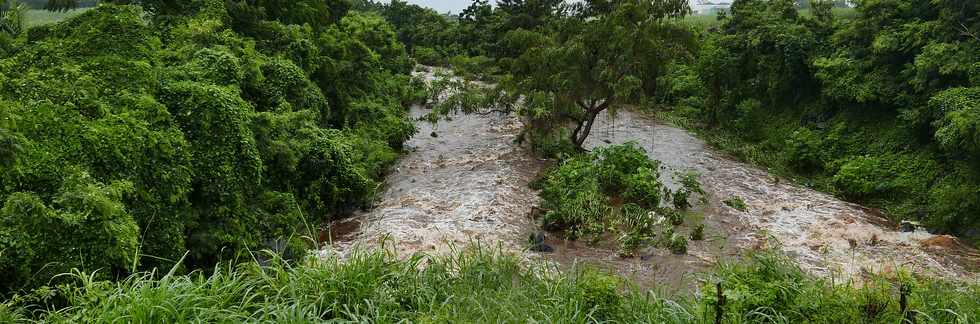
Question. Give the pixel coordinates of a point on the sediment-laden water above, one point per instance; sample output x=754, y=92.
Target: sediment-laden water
x=465, y=180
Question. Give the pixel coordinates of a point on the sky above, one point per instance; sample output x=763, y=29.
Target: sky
x=456, y=6
x=444, y=5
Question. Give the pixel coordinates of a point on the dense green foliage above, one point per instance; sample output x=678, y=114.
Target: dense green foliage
x=145, y=135
x=615, y=189
x=128, y=138
x=597, y=59
x=565, y=63
x=484, y=286
x=879, y=106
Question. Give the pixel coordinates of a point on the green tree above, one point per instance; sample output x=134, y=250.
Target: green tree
x=595, y=62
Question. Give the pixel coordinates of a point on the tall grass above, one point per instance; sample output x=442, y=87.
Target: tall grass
x=480, y=285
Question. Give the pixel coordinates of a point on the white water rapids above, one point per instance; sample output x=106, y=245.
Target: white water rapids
x=470, y=183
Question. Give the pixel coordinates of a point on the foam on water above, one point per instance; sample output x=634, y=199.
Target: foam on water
x=471, y=183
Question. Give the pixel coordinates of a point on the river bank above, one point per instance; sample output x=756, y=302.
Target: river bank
x=465, y=181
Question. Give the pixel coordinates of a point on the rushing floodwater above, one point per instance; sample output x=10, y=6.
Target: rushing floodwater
x=469, y=183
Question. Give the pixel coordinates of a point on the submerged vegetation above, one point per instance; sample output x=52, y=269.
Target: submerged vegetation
x=615, y=189
x=874, y=103
x=149, y=148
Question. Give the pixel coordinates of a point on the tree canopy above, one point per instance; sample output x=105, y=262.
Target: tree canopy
x=134, y=137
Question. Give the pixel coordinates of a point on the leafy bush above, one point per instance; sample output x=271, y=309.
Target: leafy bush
x=615, y=165
x=583, y=213
x=737, y=203
x=678, y=244
x=228, y=127
x=698, y=233
x=644, y=188
x=428, y=56
x=958, y=126
x=690, y=188
x=955, y=202
x=804, y=152
x=578, y=196
x=85, y=225
x=638, y=229
x=744, y=119
x=474, y=67
x=860, y=177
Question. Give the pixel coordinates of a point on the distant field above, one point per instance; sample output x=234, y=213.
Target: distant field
x=702, y=20
x=841, y=13
x=711, y=19
x=37, y=17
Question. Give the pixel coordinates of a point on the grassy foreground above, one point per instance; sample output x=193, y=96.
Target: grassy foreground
x=480, y=285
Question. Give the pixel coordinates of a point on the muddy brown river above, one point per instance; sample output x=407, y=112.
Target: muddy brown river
x=465, y=181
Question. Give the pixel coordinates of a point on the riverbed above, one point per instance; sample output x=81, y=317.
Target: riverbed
x=465, y=180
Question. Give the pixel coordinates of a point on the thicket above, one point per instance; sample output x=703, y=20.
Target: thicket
x=129, y=134
x=876, y=104
x=481, y=285
x=477, y=42
x=879, y=107
x=615, y=190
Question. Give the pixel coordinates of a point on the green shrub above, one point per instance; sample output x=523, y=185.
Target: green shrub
x=475, y=67
x=578, y=192
x=955, y=201
x=615, y=165
x=958, y=127
x=737, y=203
x=672, y=216
x=600, y=295
x=583, y=214
x=804, y=151
x=678, y=244
x=8, y=315
x=218, y=66
x=744, y=120
x=698, y=233
x=690, y=188
x=219, y=120
x=643, y=187
x=860, y=177
x=84, y=225
x=428, y=56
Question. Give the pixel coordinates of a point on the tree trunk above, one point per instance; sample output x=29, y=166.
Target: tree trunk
x=579, y=138
x=584, y=127
x=715, y=102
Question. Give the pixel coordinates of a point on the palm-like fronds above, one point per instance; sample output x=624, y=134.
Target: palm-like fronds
x=12, y=17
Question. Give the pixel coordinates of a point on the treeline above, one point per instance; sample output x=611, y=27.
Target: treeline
x=882, y=107
x=879, y=105
x=473, y=38
x=59, y=4
x=131, y=135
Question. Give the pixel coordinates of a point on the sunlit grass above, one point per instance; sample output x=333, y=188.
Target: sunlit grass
x=480, y=285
